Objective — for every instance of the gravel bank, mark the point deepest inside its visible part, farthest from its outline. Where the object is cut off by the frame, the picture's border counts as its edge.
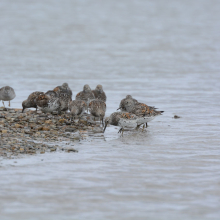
(31, 132)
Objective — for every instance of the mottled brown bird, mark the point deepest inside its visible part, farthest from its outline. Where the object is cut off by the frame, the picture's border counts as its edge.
(122, 103)
(121, 119)
(143, 111)
(30, 102)
(97, 108)
(77, 108)
(48, 104)
(85, 95)
(64, 93)
(63, 89)
(99, 93)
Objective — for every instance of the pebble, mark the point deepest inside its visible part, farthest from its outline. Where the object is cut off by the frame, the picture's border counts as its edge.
(70, 129)
(97, 130)
(70, 149)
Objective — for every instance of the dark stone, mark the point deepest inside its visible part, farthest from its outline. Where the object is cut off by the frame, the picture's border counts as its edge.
(70, 129)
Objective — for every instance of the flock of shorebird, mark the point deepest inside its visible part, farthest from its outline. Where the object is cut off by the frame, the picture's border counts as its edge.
(132, 113)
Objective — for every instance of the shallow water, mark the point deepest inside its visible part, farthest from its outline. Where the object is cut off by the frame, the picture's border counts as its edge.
(165, 54)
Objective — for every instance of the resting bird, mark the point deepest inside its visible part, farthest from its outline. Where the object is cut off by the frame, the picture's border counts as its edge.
(97, 108)
(52, 94)
(64, 89)
(64, 93)
(7, 94)
(122, 103)
(64, 101)
(77, 108)
(48, 104)
(86, 95)
(99, 93)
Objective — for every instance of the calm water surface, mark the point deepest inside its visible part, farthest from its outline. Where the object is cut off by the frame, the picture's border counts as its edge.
(165, 54)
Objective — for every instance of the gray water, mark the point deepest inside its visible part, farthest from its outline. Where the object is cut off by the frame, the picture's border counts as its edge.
(164, 53)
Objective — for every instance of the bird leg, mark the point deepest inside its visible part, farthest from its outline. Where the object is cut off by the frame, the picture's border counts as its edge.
(138, 126)
(101, 121)
(146, 124)
(120, 130)
(3, 103)
(9, 104)
(143, 127)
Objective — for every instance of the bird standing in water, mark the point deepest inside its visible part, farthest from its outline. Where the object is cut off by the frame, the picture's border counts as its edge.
(144, 112)
(121, 119)
(97, 108)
